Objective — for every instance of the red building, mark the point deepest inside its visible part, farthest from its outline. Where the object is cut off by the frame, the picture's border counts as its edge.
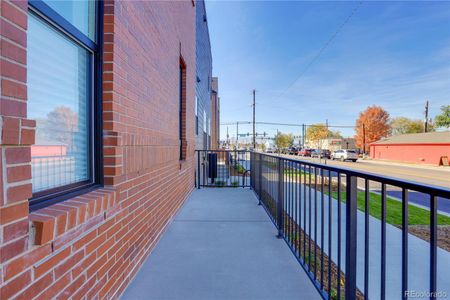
(115, 80)
(423, 148)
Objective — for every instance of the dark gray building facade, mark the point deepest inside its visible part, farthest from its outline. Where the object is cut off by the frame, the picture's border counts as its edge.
(204, 76)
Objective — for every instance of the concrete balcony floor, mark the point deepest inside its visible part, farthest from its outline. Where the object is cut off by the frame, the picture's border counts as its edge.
(221, 245)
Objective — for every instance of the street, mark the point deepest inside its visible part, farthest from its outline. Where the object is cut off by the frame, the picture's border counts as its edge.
(423, 174)
(428, 175)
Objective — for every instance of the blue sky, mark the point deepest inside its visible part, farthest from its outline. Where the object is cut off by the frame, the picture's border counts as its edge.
(392, 54)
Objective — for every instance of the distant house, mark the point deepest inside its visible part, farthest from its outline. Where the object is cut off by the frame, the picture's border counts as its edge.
(424, 148)
(333, 144)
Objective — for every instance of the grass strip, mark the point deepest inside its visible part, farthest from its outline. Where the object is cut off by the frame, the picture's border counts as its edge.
(416, 215)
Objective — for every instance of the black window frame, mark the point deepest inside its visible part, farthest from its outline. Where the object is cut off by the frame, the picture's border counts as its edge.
(54, 20)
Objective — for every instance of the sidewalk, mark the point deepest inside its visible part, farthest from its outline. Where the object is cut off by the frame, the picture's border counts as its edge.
(221, 245)
(405, 164)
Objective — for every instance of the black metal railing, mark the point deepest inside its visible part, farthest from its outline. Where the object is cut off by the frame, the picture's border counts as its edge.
(357, 235)
(222, 168)
(337, 222)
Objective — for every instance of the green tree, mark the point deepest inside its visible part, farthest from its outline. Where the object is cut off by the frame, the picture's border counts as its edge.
(316, 133)
(334, 134)
(443, 120)
(263, 147)
(283, 140)
(403, 125)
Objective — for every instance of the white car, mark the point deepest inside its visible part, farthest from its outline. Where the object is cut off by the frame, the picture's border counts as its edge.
(343, 155)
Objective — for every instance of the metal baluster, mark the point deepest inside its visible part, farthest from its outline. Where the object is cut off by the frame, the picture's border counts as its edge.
(366, 239)
(310, 221)
(322, 225)
(304, 214)
(404, 243)
(296, 228)
(383, 241)
(433, 245)
(351, 237)
(339, 238)
(315, 223)
(280, 198)
(330, 233)
(291, 203)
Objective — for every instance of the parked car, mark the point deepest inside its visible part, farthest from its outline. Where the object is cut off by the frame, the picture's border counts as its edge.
(285, 151)
(270, 150)
(293, 151)
(305, 152)
(345, 155)
(321, 153)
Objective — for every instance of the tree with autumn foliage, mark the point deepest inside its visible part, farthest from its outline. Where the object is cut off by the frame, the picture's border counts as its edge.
(283, 140)
(372, 125)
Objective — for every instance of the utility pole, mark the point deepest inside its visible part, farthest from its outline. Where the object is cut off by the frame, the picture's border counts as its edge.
(426, 117)
(304, 134)
(254, 106)
(228, 138)
(237, 135)
(275, 140)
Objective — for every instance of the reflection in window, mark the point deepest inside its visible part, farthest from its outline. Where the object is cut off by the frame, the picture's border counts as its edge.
(81, 13)
(59, 97)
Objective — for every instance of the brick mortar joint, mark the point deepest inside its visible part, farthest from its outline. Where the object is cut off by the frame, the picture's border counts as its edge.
(13, 62)
(5, 38)
(17, 7)
(16, 25)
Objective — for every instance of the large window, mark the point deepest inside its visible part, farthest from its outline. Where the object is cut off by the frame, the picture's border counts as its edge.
(80, 13)
(61, 60)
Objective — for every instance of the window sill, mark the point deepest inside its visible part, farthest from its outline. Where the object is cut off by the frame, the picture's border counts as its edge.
(64, 221)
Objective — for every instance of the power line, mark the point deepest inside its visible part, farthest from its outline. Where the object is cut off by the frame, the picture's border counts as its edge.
(324, 47)
(286, 124)
(233, 123)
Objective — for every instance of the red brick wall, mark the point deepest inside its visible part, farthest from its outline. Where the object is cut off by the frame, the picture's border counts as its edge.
(92, 245)
(430, 154)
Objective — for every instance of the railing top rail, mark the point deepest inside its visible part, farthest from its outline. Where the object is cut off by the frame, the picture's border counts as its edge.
(434, 190)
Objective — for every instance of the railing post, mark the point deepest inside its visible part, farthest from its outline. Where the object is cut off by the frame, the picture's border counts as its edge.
(280, 202)
(198, 170)
(252, 164)
(260, 178)
(350, 237)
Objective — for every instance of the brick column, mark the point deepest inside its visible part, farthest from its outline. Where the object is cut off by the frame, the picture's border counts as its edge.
(17, 134)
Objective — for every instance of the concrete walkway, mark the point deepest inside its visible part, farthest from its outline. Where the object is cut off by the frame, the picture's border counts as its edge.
(221, 245)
